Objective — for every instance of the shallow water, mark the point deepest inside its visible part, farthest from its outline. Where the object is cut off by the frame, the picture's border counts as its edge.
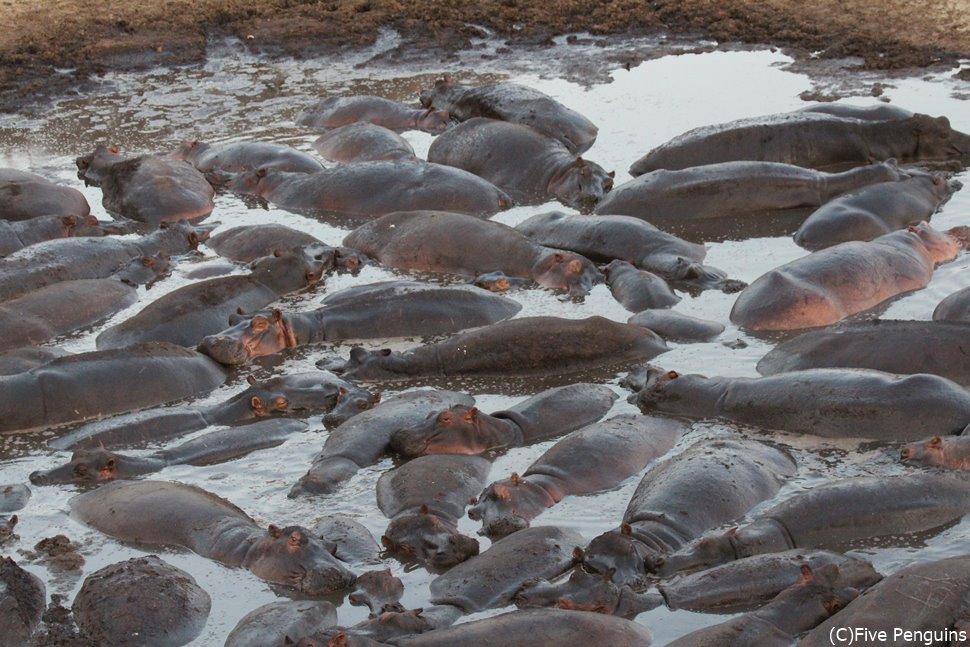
(238, 97)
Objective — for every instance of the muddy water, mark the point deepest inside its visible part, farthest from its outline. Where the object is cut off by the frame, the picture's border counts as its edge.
(236, 97)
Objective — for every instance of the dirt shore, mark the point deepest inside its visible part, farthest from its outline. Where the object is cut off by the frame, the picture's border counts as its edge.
(44, 36)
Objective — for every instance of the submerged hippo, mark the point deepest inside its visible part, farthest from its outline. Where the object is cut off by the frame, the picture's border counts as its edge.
(855, 403)
(638, 290)
(833, 283)
(547, 346)
(379, 591)
(424, 499)
(463, 429)
(334, 112)
(17, 235)
(955, 307)
(529, 166)
(26, 195)
(174, 514)
(812, 139)
(593, 459)
(674, 326)
(396, 309)
(236, 157)
(367, 190)
(515, 103)
(249, 242)
(426, 241)
(363, 142)
(951, 452)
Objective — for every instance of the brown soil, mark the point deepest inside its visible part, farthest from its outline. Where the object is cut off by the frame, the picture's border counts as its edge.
(46, 34)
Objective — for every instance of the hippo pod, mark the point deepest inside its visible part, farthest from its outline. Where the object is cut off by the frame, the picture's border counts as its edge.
(426, 241)
(334, 112)
(526, 164)
(363, 142)
(854, 403)
(24, 196)
(17, 235)
(174, 514)
(833, 283)
(237, 157)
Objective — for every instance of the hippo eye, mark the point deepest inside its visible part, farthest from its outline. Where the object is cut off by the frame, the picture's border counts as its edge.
(445, 417)
(281, 403)
(259, 324)
(296, 540)
(81, 470)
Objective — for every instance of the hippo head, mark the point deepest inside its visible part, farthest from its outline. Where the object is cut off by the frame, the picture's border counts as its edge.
(6, 528)
(347, 259)
(260, 335)
(433, 121)
(91, 168)
(561, 270)
(257, 182)
(581, 184)
(379, 591)
(939, 247)
(652, 383)
(583, 591)
(146, 270)
(189, 150)
(936, 140)
(444, 87)
(620, 554)
(705, 552)
(87, 466)
(351, 400)
(929, 451)
(816, 596)
(293, 557)
(496, 282)
(293, 269)
(506, 506)
(459, 429)
(426, 538)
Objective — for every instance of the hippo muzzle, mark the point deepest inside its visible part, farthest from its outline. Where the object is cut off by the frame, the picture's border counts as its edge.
(224, 349)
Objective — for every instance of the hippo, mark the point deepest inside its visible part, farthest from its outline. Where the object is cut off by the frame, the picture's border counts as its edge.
(187, 314)
(462, 429)
(425, 241)
(98, 383)
(530, 346)
(13, 497)
(817, 596)
(626, 238)
(379, 591)
(363, 439)
(276, 622)
(515, 103)
(385, 628)
(500, 282)
(854, 403)
(812, 139)
(334, 112)
(955, 307)
(21, 360)
(585, 591)
(529, 166)
(25, 195)
(925, 598)
(424, 498)
(708, 484)
(952, 452)
(363, 142)
(67, 259)
(880, 344)
(236, 157)
(397, 309)
(15, 235)
(876, 209)
(356, 193)
(93, 167)
(296, 394)
(638, 290)
(22, 596)
(7, 525)
(675, 326)
(873, 112)
(833, 515)
(352, 542)
(98, 465)
(723, 201)
(141, 601)
(161, 513)
(249, 242)
(833, 283)
(593, 459)
(491, 580)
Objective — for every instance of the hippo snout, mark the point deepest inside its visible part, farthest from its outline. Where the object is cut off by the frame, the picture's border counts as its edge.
(503, 527)
(327, 579)
(223, 349)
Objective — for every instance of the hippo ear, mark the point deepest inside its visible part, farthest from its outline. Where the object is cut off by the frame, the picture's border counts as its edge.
(806, 572)
(114, 149)
(935, 442)
(424, 509)
(274, 531)
(377, 397)
(387, 542)
(612, 174)
(626, 529)
(672, 375)
(12, 521)
(277, 314)
(580, 162)
(251, 380)
(471, 415)
(256, 404)
(516, 479)
(69, 221)
(578, 554)
(340, 640)
(473, 500)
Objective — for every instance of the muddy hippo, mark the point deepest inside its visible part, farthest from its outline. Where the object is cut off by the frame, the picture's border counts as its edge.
(812, 139)
(379, 591)
(26, 195)
(720, 201)
(955, 307)
(492, 579)
(98, 383)
(397, 309)
(548, 346)
(833, 283)
(708, 484)
(249, 242)
(834, 515)
(625, 238)
(426, 241)
(951, 452)
(515, 103)
(926, 598)
(593, 459)
(67, 259)
(877, 209)
(272, 624)
(22, 596)
(363, 439)
(296, 394)
(529, 166)
(187, 314)
(936, 347)
(236, 157)
(424, 499)
(97, 465)
(17, 235)
(638, 290)
(161, 513)
(334, 112)
(363, 142)
(355, 193)
(674, 326)
(854, 403)
(462, 429)
(141, 601)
